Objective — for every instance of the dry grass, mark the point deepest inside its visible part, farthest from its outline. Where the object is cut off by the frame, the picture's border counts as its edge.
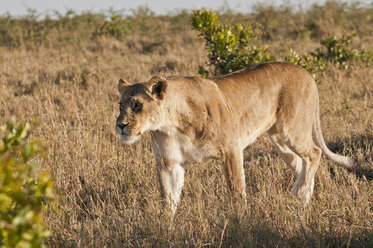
(109, 191)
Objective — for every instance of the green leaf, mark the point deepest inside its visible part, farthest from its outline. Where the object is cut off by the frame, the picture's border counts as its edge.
(25, 191)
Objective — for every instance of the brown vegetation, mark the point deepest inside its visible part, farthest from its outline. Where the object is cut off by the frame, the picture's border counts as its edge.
(109, 191)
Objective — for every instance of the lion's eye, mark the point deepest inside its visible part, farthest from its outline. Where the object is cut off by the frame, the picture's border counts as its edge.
(136, 107)
(121, 106)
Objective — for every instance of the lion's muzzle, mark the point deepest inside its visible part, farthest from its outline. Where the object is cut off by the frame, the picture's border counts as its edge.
(125, 134)
(122, 125)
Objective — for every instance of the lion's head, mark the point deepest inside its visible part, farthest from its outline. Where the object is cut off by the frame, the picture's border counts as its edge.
(140, 107)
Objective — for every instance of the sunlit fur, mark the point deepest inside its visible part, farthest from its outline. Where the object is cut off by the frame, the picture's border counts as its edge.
(195, 119)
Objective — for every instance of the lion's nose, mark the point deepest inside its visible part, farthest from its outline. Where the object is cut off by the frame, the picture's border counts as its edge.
(122, 125)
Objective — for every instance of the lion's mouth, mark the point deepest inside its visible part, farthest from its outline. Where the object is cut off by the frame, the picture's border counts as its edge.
(122, 129)
(124, 136)
(128, 139)
(125, 133)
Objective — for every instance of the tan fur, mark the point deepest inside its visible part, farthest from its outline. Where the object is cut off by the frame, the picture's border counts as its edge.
(194, 119)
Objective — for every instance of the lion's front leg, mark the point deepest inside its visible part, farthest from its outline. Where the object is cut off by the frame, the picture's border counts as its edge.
(171, 180)
(234, 173)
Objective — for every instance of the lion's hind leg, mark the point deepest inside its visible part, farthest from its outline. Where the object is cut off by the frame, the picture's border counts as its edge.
(290, 158)
(299, 152)
(304, 184)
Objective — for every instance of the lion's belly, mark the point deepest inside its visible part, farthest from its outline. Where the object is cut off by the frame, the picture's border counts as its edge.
(181, 149)
(194, 152)
(249, 133)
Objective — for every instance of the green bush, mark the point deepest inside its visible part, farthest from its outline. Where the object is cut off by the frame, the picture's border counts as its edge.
(25, 191)
(229, 48)
(334, 50)
(232, 48)
(311, 63)
(340, 52)
(116, 27)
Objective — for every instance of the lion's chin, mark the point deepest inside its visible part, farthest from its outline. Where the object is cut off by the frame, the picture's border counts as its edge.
(127, 139)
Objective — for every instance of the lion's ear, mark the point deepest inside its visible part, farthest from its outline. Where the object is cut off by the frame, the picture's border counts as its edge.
(122, 84)
(157, 86)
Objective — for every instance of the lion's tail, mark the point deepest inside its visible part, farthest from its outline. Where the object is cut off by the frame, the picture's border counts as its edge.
(318, 138)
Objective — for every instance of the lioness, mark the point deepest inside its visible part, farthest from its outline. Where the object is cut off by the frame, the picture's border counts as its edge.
(194, 119)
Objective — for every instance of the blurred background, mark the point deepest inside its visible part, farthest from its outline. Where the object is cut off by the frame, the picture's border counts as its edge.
(160, 7)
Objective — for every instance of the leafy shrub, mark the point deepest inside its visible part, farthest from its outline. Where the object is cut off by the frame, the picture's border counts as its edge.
(340, 52)
(334, 50)
(24, 190)
(311, 63)
(116, 27)
(229, 48)
(142, 21)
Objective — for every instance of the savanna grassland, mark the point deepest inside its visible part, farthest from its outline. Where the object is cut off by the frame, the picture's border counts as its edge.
(60, 74)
